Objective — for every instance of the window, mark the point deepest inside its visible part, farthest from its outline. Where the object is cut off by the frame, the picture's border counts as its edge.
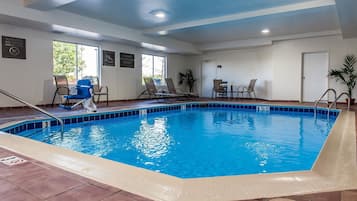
(75, 61)
(154, 67)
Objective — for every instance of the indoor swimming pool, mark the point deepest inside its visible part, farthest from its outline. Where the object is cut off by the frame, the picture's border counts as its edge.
(195, 140)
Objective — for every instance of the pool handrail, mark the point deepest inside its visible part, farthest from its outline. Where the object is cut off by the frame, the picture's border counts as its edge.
(8, 94)
(323, 95)
(335, 102)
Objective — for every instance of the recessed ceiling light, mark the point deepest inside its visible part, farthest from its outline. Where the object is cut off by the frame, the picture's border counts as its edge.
(153, 47)
(162, 32)
(159, 14)
(265, 31)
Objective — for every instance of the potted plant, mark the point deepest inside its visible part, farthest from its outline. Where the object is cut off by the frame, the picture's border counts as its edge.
(188, 79)
(346, 74)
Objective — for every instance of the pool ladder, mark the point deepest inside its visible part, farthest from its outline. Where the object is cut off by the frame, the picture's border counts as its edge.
(334, 103)
(33, 107)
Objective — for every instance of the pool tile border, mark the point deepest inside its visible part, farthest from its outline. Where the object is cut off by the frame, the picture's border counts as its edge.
(44, 123)
(336, 171)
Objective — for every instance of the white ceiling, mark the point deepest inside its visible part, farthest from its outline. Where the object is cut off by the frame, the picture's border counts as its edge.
(198, 22)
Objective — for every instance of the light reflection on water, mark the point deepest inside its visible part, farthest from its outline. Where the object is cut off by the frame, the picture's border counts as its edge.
(98, 136)
(201, 143)
(262, 151)
(92, 140)
(152, 140)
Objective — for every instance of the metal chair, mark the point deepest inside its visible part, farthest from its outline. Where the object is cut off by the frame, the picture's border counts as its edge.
(153, 92)
(62, 88)
(172, 89)
(98, 90)
(248, 90)
(150, 86)
(219, 88)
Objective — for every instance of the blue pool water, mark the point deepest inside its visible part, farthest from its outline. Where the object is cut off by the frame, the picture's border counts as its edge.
(200, 142)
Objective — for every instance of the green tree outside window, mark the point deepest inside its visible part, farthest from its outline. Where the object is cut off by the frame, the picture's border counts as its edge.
(65, 60)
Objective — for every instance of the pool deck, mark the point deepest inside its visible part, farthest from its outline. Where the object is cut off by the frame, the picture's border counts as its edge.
(37, 180)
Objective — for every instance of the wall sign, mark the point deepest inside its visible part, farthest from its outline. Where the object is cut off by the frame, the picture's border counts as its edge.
(13, 47)
(108, 58)
(127, 60)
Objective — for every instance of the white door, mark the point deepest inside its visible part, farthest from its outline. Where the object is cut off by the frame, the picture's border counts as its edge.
(315, 76)
(208, 75)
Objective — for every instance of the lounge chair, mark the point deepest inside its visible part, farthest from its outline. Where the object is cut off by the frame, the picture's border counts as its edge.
(98, 90)
(219, 88)
(172, 90)
(152, 90)
(248, 90)
(84, 95)
(62, 88)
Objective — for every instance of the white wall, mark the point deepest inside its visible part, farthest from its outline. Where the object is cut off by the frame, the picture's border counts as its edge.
(239, 66)
(27, 78)
(287, 63)
(31, 79)
(277, 67)
(178, 64)
(123, 83)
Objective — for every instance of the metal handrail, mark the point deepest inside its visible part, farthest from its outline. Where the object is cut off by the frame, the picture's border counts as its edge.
(335, 102)
(33, 107)
(323, 95)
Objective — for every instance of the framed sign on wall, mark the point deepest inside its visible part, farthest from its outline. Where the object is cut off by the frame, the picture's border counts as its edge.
(14, 48)
(108, 58)
(127, 60)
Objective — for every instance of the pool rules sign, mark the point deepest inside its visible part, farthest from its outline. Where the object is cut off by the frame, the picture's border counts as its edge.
(14, 48)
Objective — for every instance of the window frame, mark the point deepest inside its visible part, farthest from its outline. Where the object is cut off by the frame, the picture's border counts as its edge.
(99, 69)
(153, 65)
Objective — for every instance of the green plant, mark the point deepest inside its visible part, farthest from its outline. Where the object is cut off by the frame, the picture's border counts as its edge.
(65, 60)
(188, 79)
(346, 74)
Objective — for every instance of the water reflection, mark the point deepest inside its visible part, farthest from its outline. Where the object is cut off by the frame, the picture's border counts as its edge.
(99, 138)
(92, 140)
(202, 143)
(152, 140)
(233, 118)
(262, 151)
(70, 139)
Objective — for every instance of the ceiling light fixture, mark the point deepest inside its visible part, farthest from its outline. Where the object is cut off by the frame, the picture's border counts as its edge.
(159, 14)
(162, 33)
(153, 47)
(75, 32)
(265, 31)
